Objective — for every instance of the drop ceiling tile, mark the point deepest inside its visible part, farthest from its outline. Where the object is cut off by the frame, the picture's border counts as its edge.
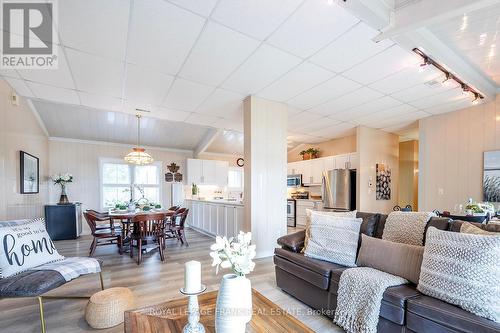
(257, 18)
(328, 90)
(312, 27)
(100, 101)
(382, 65)
(451, 95)
(298, 80)
(312, 126)
(202, 119)
(375, 105)
(19, 86)
(448, 107)
(368, 119)
(218, 52)
(297, 123)
(336, 131)
(350, 100)
(350, 49)
(107, 21)
(304, 138)
(169, 114)
(202, 7)
(54, 94)
(222, 103)
(9, 73)
(144, 86)
(161, 35)
(419, 91)
(187, 95)
(60, 77)
(236, 125)
(96, 74)
(260, 69)
(394, 121)
(404, 79)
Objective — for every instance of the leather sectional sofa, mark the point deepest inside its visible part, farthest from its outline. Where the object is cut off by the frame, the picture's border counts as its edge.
(403, 308)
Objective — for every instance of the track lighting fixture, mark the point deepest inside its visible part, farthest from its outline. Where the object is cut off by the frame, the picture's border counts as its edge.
(449, 77)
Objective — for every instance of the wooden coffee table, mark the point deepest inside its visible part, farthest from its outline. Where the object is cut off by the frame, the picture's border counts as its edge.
(170, 317)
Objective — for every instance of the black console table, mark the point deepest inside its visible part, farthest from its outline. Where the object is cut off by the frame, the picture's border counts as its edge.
(64, 221)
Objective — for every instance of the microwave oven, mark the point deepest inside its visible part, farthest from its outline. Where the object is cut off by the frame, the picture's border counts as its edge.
(294, 180)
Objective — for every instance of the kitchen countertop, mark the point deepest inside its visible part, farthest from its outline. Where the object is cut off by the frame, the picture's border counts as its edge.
(219, 201)
(313, 200)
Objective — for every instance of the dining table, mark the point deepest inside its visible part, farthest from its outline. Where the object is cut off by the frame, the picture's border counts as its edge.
(126, 218)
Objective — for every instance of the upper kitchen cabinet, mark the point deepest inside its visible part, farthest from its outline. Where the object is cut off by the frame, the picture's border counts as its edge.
(207, 172)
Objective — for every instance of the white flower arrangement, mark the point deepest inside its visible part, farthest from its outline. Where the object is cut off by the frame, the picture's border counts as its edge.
(236, 254)
(62, 178)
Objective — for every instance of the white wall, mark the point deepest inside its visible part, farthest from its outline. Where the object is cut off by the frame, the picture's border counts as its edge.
(376, 146)
(82, 160)
(20, 130)
(451, 154)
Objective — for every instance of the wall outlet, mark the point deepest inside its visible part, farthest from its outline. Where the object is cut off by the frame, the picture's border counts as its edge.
(440, 191)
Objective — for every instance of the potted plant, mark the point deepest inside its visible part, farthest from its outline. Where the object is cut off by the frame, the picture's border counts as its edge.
(309, 153)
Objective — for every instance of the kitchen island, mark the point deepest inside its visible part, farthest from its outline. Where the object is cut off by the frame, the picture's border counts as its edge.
(215, 217)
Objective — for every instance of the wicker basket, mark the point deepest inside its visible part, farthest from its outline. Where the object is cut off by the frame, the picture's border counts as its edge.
(105, 308)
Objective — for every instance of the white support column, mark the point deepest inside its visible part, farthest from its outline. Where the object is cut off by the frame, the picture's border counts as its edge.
(265, 126)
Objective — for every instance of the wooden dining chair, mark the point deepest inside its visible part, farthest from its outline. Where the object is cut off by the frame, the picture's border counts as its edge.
(103, 217)
(102, 236)
(176, 227)
(148, 227)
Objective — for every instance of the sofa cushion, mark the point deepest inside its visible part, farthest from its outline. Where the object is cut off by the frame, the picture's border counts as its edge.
(369, 224)
(293, 242)
(314, 271)
(30, 283)
(333, 239)
(441, 223)
(469, 228)
(447, 315)
(462, 269)
(456, 225)
(394, 258)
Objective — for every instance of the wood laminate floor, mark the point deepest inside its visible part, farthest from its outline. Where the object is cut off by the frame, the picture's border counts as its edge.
(152, 282)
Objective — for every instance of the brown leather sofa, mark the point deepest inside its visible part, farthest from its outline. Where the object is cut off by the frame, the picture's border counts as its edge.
(403, 308)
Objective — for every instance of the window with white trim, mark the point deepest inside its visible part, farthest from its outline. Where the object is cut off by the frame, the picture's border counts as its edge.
(120, 181)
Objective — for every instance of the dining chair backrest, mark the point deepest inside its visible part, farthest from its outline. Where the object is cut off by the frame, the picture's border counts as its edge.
(91, 219)
(149, 224)
(98, 214)
(174, 208)
(180, 218)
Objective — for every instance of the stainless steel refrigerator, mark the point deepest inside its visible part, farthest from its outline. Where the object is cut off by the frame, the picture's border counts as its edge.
(339, 189)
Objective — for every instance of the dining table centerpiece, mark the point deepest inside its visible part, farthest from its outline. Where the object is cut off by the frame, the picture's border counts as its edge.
(62, 179)
(234, 300)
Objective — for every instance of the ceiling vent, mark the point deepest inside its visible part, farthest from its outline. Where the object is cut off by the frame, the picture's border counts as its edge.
(432, 83)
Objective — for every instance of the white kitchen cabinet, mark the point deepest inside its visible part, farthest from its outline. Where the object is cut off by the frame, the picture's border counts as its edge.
(329, 163)
(221, 220)
(353, 161)
(214, 219)
(221, 173)
(206, 217)
(230, 219)
(194, 171)
(341, 161)
(317, 168)
(189, 218)
(207, 172)
(239, 216)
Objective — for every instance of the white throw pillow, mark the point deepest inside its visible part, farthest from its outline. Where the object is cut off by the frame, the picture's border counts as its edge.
(322, 212)
(463, 269)
(25, 246)
(333, 238)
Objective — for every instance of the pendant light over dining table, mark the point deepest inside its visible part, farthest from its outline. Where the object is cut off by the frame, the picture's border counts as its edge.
(138, 155)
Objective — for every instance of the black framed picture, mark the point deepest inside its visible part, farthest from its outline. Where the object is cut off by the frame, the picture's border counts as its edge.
(30, 173)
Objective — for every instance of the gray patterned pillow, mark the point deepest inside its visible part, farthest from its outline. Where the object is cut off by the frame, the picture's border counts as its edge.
(463, 269)
(333, 238)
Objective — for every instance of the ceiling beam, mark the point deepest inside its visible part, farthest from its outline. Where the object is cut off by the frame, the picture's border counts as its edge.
(206, 141)
(425, 13)
(425, 40)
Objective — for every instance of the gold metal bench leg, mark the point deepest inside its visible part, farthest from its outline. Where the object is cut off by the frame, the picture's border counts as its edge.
(42, 320)
(102, 281)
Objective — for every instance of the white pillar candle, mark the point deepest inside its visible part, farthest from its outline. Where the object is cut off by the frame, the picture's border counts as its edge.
(192, 276)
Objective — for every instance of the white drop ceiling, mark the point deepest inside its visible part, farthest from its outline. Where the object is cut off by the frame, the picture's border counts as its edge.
(191, 63)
